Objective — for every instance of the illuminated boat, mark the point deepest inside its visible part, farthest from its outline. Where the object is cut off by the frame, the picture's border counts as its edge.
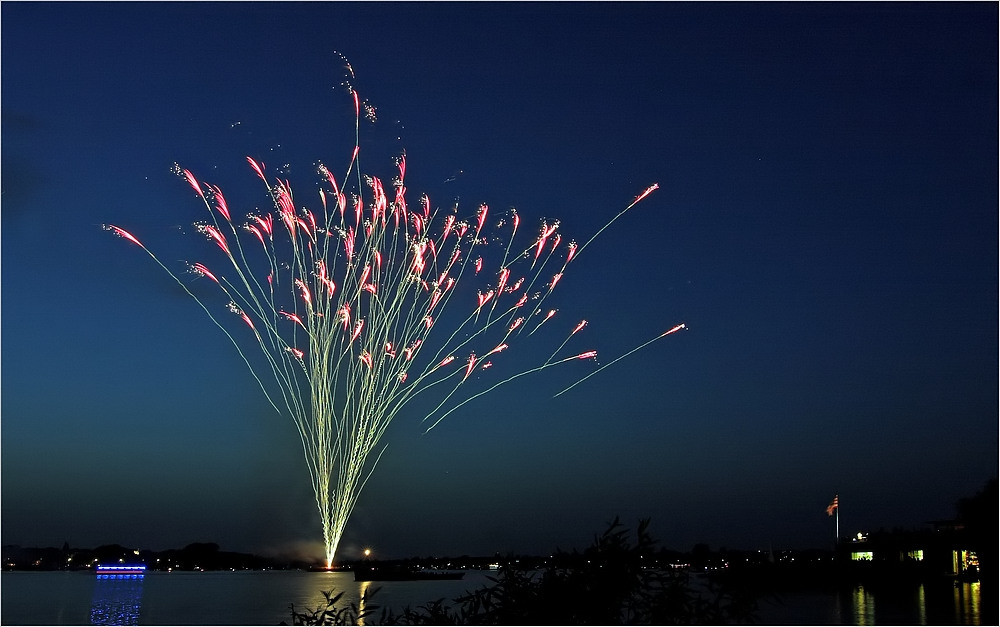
(395, 573)
(121, 571)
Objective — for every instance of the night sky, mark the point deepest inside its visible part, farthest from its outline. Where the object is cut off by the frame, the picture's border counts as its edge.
(826, 226)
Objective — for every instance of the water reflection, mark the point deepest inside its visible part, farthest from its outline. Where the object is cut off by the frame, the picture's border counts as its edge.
(933, 603)
(864, 607)
(363, 602)
(967, 597)
(926, 604)
(116, 601)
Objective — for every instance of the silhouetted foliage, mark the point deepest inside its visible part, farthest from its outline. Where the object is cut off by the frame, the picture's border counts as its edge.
(609, 583)
(329, 614)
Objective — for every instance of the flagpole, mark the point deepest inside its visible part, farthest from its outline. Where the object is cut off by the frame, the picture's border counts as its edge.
(834, 510)
(836, 538)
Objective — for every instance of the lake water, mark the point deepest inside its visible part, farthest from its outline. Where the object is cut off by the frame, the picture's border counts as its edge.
(263, 597)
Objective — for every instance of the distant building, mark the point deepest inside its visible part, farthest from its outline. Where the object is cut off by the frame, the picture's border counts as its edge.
(943, 549)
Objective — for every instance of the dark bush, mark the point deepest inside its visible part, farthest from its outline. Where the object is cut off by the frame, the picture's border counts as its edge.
(611, 583)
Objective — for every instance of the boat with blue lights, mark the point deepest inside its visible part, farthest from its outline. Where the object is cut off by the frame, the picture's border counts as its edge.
(121, 571)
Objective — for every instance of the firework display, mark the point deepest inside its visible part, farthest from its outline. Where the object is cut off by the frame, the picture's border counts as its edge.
(346, 312)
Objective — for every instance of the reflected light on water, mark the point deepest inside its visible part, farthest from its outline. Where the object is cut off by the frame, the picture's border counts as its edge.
(922, 605)
(393, 596)
(926, 604)
(864, 607)
(116, 601)
(967, 598)
(362, 603)
(309, 593)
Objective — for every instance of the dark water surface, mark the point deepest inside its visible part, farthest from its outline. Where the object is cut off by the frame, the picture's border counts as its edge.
(263, 597)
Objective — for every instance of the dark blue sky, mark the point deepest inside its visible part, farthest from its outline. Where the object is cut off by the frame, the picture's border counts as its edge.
(826, 226)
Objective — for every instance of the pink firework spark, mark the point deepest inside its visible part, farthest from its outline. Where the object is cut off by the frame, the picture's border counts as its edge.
(329, 177)
(349, 243)
(649, 190)
(266, 224)
(305, 292)
(123, 233)
(435, 297)
(499, 349)
(485, 298)
(312, 221)
(220, 202)
(504, 275)
(546, 232)
(448, 223)
(483, 210)
(302, 223)
(572, 251)
(357, 329)
(323, 278)
(341, 203)
(425, 202)
(193, 182)
(218, 237)
(247, 320)
(409, 350)
(286, 208)
(256, 232)
(399, 206)
(293, 318)
(555, 279)
(381, 202)
(203, 271)
(257, 167)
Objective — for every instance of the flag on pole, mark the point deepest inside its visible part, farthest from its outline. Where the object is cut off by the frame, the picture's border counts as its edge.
(832, 506)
